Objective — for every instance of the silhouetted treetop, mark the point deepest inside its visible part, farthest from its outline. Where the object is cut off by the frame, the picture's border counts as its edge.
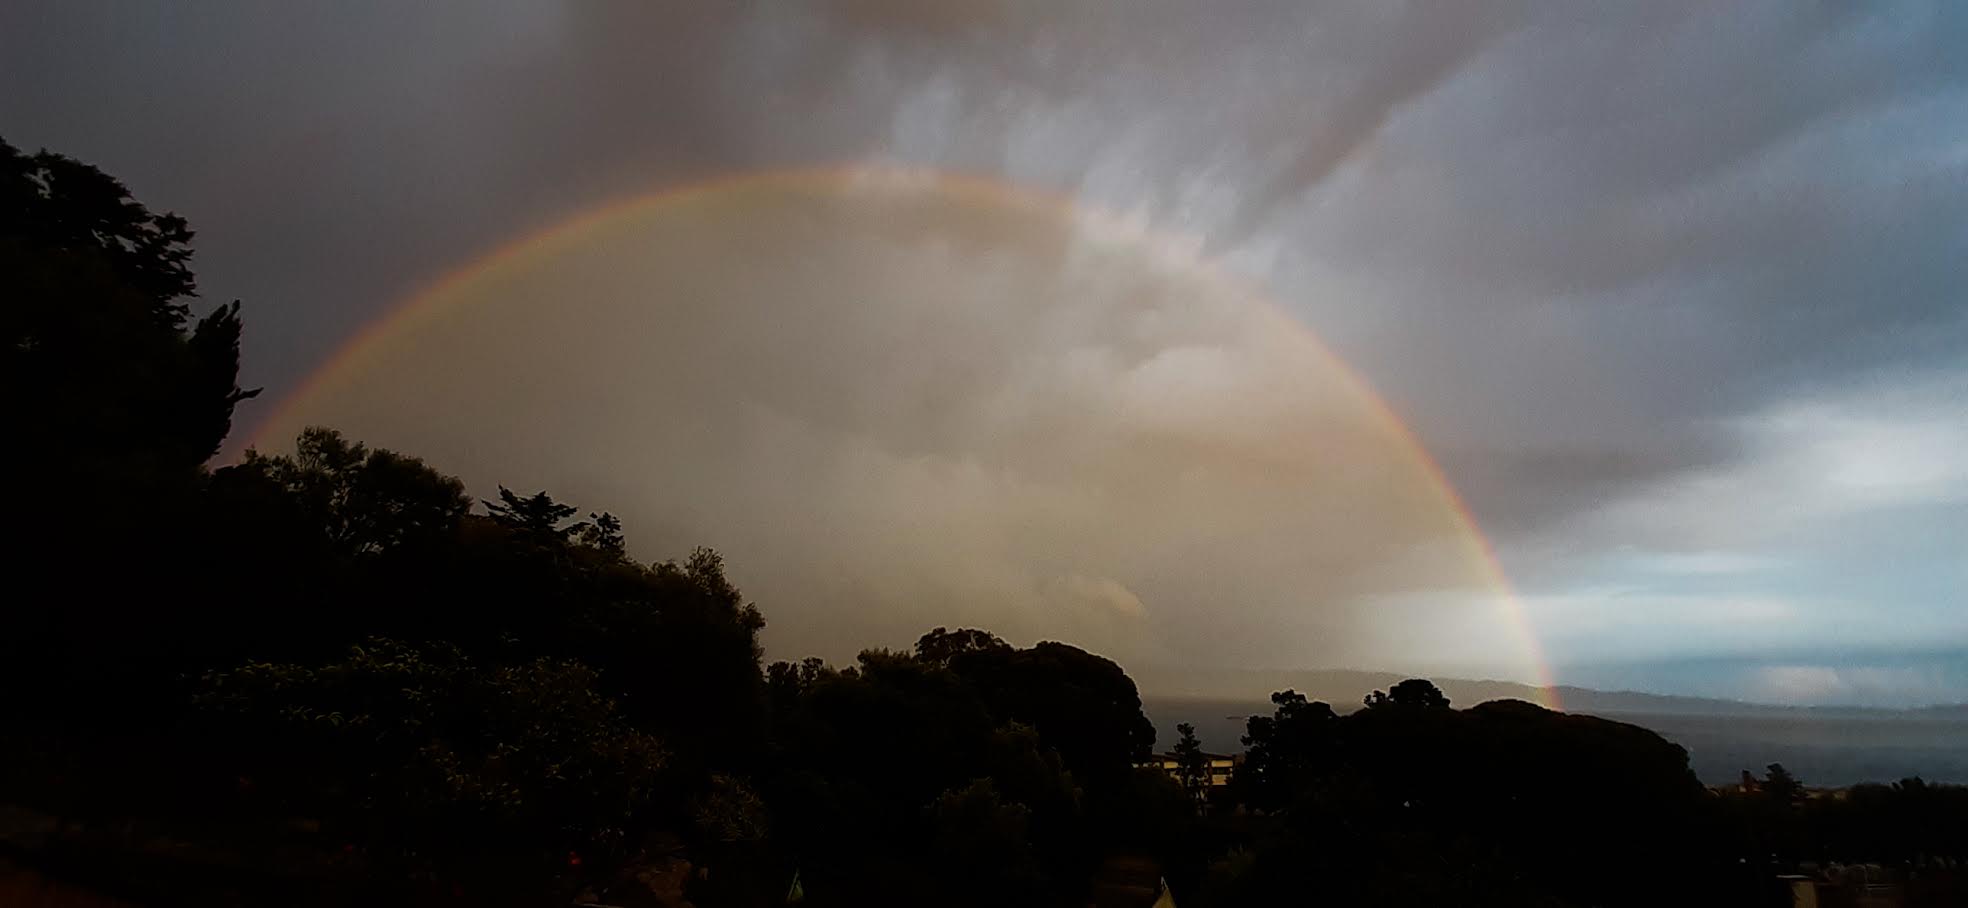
(1413, 693)
(941, 646)
(603, 532)
(1780, 787)
(361, 500)
(1282, 748)
(538, 514)
(98, 372)
(1191, 764)
(1084, 704)
(53, 202)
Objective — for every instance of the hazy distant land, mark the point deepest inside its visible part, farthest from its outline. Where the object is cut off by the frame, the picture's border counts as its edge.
(1822, 745)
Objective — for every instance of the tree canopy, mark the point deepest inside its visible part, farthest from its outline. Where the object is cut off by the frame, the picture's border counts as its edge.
(104, 383)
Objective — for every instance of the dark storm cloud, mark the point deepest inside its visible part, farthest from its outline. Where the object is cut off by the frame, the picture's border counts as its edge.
(1594, 253)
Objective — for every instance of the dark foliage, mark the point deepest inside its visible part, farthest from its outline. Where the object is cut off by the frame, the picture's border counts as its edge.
(906, 773)
(320, 677)
(1083, 703)
(103, 380)
(1410, 802)
(114, 398)
(1191, 764)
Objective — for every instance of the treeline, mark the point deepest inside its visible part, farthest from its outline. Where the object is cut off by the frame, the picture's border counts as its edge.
(328, 676)
(1908, 825)
(1408, 801)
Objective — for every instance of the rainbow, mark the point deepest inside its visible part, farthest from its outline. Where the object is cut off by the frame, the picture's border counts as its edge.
(449, 292)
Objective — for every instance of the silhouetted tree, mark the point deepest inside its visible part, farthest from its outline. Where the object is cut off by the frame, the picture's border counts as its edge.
(1411, 802)
(101, 377)
(114, 398)
(1285, 748)
(964, 709)
(537, 514)
(1413, 693)
(603, 532)
(1082, 704)
(1780, 787)
(1191, 764)
(942, 646)
(362, 501)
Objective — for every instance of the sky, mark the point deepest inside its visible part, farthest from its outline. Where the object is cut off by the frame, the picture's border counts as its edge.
(1675, 293)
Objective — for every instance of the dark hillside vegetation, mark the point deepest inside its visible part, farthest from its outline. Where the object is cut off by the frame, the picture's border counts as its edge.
(329, 676)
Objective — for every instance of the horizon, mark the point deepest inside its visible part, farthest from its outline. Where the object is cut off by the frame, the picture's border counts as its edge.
(1362, 682)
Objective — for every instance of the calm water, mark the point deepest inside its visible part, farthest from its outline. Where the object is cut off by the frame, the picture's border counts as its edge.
(1822, 749)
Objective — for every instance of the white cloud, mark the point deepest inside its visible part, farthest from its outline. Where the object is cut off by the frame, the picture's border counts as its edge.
(1623, 623)
(1696, 564)
(1894, 441)
(1855, 685)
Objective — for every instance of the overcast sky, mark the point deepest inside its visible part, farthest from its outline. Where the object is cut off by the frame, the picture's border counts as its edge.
(1676, 293)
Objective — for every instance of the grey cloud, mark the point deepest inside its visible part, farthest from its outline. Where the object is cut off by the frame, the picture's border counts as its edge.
(1575, 245)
